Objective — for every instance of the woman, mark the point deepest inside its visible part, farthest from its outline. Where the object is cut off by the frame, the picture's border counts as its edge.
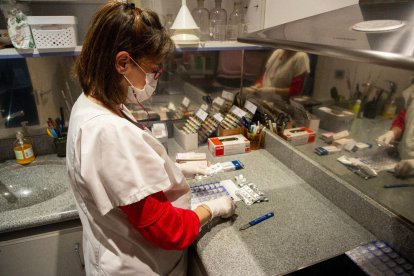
(285, 74)
(133, 201)
(402, 132)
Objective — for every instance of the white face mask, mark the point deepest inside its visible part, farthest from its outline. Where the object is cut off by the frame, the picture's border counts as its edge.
(140, 95)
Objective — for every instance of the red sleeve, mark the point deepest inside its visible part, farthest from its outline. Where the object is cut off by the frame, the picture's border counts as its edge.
(296, 85)
(259, 82)
(399, 121)
(161, 223)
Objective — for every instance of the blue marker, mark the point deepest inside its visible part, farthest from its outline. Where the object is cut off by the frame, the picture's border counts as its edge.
(256, 221)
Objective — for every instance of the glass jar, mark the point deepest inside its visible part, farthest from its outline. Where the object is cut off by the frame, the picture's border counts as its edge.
(236, 21)
(218, 22)
(201, 17)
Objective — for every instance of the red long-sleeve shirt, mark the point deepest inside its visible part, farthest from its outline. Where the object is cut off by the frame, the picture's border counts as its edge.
(399, 121)
(159, 222)
(295, 86)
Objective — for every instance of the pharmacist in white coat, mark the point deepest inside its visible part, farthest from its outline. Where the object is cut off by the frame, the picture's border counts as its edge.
(133, 201)
(402, 131)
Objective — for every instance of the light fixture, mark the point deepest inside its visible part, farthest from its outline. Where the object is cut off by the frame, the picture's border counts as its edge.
(184, 27)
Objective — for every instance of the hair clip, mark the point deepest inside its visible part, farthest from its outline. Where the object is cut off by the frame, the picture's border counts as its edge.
(130, 6)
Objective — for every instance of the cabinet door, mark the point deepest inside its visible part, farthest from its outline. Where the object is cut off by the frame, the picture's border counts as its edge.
(53, 253)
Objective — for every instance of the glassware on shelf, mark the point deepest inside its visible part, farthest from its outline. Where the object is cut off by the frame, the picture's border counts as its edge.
(218, 22)
(201, 17)
(169, 20)
(236, 24)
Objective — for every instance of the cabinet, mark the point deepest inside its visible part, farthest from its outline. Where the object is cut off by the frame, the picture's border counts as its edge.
(57, 252)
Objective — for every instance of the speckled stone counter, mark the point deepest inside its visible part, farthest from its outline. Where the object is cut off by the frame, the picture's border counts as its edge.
(335, 184)
(45, 182)
(307, 227)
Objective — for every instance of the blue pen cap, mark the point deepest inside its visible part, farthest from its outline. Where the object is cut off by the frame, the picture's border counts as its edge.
(237, 164)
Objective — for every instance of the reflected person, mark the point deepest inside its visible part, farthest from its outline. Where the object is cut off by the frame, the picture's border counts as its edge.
(285, 74)
(402, 131)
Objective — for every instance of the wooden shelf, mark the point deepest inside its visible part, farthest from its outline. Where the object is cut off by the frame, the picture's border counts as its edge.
(9, 53)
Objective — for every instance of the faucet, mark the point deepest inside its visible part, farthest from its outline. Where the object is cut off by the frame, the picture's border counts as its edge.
(11, 116)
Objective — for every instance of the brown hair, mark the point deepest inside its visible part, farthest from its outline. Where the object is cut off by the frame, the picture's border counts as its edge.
(118, 27)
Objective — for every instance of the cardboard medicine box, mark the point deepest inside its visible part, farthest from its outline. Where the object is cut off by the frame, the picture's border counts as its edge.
(299, 136)
(186, 141)
(228, 145)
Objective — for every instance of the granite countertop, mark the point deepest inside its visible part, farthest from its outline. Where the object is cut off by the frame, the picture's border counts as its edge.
(307, 227)
(36, 194)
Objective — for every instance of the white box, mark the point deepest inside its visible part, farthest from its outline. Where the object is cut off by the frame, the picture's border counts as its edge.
(51, 32)
(334, 119)
(186, 141)
(299, 135)
(228, 145)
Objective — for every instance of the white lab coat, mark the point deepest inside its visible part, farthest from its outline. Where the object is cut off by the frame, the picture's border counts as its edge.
(110, 163)
(280, 71)
(406, 147)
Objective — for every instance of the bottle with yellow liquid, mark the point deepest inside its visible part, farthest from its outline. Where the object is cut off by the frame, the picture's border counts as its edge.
(23, 149)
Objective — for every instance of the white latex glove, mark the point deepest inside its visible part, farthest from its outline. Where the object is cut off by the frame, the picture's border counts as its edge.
(386, 138)
(404, 168)
(190, 169)
(222, 207)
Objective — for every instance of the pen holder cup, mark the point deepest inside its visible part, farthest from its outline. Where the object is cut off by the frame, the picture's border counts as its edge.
(255, 139)
(60, 144)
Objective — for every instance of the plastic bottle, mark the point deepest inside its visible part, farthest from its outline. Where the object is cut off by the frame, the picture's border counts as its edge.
(356, 107)
(201, 17)
(218, 22)
(390, 110)
(235, 27)
(23, 149)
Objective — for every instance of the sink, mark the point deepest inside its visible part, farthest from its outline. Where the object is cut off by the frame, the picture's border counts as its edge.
(24, 186)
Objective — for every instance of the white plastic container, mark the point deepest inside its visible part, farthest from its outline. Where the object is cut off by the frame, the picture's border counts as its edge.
(51, 32)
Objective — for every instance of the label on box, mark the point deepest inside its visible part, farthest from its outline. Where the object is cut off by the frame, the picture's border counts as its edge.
(201, 114)
(227, 95)
(238, 112)
(185, 102)
(250, 107)
(219, 101)
(204, 107)
(218, 117)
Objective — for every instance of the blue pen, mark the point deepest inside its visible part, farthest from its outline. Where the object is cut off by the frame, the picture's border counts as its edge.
(256, 221)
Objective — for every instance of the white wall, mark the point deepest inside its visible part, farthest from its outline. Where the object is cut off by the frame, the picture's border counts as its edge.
(357, 73)
(281, 11)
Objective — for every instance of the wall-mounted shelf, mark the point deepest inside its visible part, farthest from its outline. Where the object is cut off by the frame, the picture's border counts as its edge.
(9, 53)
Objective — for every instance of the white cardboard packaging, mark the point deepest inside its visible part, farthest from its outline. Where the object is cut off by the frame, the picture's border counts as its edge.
(299, 136)
(228, 145)
(186, 141)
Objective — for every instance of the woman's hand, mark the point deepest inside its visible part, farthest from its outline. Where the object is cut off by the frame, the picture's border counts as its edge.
(404, 168)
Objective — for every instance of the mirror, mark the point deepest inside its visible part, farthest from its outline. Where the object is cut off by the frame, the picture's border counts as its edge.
(40, 87)
(363, 99)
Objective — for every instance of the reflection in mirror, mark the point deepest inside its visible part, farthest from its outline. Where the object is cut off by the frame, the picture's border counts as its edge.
(374, 105)
(17, 103)
(33, 90)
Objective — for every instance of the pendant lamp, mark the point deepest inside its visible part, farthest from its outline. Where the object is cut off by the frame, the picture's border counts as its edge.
(184, 27)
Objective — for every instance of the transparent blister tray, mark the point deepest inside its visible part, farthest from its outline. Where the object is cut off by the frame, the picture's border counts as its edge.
(250, 194)
(205, 192)
(378, 258)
